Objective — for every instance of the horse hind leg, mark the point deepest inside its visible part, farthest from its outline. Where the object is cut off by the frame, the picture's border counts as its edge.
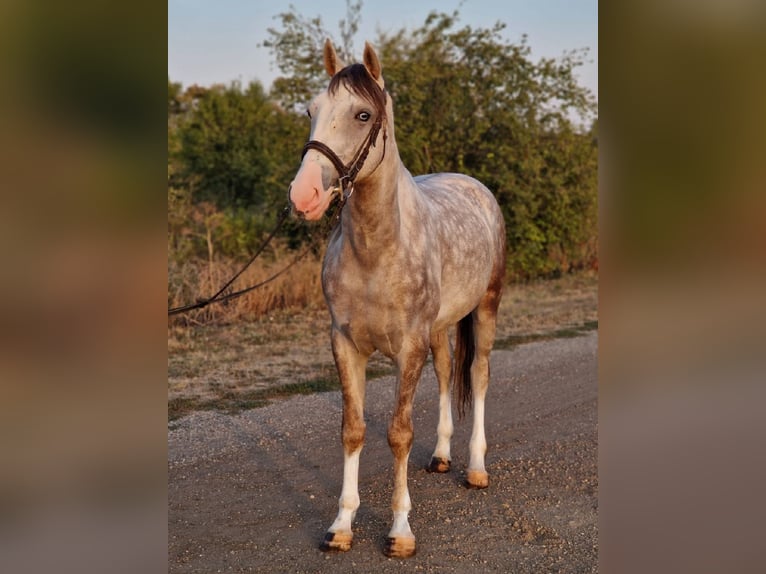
(484, 323)
(441, 459)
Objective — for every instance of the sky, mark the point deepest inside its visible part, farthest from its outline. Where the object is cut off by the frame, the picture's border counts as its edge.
(216, 41)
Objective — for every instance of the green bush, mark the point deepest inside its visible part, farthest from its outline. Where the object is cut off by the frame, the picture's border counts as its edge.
(465, 100)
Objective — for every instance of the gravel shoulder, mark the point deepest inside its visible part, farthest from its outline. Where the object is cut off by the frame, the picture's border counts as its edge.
(255, 491)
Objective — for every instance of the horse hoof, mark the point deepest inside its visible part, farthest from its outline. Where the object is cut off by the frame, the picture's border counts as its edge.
(477, 479)
(438, 465)
(399, 547)
(336, 541)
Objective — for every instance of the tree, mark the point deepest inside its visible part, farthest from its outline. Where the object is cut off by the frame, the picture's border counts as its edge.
(295, 49)
(239, 147)
(466, 100)
(234, 151)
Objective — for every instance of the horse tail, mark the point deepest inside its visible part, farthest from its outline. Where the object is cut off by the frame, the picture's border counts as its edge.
(465, 349)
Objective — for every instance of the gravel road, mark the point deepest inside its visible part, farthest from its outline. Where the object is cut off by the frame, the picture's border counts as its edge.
(255, 492)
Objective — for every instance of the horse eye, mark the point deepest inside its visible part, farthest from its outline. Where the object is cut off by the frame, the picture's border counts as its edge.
(363, 116)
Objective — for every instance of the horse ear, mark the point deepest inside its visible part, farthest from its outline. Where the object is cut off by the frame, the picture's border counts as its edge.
(332, 63)
(372, 63)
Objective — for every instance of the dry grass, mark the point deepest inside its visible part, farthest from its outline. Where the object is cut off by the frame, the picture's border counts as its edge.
(297, 288)
(542, 309)
(246, 356)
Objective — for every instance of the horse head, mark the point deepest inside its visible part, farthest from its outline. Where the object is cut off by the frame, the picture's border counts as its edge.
(345, 139)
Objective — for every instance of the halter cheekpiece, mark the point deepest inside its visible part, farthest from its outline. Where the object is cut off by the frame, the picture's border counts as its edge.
(347, 173)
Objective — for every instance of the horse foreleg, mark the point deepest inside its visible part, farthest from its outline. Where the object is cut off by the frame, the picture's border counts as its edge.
(440, 461)
(351, 366)
(401, 540)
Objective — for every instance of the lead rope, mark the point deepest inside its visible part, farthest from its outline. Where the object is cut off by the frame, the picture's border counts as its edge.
(218, 297)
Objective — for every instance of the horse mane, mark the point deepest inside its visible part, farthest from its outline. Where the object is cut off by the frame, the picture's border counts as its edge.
(358, 80)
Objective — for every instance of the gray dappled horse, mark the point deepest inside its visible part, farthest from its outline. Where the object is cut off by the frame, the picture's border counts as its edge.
(409, 258)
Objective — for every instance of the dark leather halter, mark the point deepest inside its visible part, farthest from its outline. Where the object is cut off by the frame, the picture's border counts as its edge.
(347, 173)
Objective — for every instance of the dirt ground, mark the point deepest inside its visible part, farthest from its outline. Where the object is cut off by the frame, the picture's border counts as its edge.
(255, 491)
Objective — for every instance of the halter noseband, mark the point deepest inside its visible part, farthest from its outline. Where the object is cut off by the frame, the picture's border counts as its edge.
(347, 173)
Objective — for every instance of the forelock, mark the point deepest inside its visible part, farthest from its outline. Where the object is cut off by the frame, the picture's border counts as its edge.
(358, 80)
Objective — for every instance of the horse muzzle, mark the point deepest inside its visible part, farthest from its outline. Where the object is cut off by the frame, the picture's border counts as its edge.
(307, 193)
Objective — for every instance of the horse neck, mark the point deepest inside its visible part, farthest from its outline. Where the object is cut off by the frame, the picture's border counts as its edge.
(371, 219)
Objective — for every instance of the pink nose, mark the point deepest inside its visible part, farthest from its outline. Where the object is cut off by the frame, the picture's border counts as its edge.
(307, 192)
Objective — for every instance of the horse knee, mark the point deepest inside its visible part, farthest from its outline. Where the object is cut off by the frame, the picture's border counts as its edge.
(400, 434)
(353, 435)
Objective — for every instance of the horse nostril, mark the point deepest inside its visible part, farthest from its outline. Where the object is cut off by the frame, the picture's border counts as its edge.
(291, 201)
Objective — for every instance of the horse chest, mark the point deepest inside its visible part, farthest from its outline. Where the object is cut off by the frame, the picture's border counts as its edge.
(377, 307)
(371, 320)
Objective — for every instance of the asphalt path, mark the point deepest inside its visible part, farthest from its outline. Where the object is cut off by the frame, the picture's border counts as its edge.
(255, 492)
